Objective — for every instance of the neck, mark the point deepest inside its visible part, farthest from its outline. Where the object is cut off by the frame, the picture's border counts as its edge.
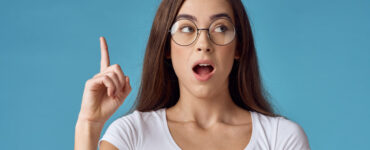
(205, 111)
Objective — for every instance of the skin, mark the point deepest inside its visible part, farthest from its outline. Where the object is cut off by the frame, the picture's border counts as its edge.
(103, 95)
(205, 116)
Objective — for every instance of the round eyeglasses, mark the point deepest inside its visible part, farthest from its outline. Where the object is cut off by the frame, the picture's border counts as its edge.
(184, 32)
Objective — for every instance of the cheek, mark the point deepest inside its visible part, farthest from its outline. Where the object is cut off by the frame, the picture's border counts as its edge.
(179, 59)
(227, 56)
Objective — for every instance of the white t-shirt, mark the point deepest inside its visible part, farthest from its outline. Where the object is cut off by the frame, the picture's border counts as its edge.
(149, 131)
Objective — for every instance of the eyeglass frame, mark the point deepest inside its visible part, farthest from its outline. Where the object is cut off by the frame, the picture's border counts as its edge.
(207, 29)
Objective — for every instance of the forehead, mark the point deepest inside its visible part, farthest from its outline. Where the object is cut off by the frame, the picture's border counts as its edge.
(203, 11)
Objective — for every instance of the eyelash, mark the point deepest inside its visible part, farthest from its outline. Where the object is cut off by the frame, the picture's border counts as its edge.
(222, 26)
(191, 28)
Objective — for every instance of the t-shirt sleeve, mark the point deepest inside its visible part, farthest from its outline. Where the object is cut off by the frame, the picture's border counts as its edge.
(291, 136)
(122, 133)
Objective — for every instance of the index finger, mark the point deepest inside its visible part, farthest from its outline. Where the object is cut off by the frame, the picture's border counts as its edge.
(104, 62)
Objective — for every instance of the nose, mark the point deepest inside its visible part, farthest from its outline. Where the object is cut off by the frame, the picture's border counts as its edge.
(203, 42)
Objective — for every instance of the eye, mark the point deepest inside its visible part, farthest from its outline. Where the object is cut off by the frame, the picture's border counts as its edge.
(187, 29)
(221, 28)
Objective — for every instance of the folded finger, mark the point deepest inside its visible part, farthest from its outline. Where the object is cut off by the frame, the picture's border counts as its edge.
(113, 76)
(106, 81)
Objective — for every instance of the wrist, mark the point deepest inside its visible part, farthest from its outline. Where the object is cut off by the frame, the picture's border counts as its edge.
(87, 119)
(87, 134)
(89, 124)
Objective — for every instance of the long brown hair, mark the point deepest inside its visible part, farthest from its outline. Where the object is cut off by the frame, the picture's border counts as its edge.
(159, 84)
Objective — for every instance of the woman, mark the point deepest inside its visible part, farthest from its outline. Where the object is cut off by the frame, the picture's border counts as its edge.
(200, 88)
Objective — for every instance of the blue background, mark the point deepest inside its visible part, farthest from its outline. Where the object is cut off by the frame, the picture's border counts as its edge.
(314, 58)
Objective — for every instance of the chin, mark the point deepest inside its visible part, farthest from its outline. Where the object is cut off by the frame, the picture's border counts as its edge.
(203, 92)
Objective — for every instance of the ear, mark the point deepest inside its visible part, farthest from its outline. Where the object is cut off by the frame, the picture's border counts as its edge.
(168, 54)
(237, 54)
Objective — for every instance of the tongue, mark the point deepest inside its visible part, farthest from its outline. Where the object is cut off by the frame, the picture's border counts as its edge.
(202, 70)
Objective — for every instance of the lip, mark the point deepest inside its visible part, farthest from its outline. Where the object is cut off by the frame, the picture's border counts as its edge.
(204, 77)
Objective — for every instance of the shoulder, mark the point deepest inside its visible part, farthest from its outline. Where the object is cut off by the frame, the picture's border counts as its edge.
(289, 126)
(127, 131)
(291, 135)
(281, 133)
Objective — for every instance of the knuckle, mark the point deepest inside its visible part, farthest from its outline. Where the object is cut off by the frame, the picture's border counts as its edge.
(96, 75)
(88, 82)
(115, 66)
(105, 77)
(113, 75)
(109, 74)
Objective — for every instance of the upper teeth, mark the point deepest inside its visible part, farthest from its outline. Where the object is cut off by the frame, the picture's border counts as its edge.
(204, 64)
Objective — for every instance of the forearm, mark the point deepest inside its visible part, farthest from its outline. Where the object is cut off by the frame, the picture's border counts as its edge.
(87, 135)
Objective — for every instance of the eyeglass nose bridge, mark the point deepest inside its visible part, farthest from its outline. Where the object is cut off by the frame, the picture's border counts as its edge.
(198, 34)
(207, 29)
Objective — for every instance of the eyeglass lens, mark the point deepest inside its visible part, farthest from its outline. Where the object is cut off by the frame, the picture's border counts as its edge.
(185, 32)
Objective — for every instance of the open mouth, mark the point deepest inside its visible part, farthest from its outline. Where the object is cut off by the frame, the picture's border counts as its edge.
(203, 69)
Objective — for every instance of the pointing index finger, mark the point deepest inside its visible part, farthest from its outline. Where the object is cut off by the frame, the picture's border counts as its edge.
(104, 62)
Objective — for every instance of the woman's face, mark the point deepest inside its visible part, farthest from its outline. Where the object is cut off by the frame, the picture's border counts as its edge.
(201, 80)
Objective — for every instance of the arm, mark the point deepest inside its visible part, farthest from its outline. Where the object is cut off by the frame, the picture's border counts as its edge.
(104, 145)
(103, 95)
(87, 135)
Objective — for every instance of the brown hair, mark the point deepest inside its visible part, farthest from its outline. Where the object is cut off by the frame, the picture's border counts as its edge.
(159, 84)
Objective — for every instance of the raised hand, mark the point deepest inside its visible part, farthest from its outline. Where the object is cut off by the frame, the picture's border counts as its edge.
(105, 92)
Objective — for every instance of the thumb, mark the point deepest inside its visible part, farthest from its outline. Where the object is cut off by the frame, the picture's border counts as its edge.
(127, 89)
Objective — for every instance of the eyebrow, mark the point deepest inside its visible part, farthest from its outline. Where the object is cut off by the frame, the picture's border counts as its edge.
(193, 18)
